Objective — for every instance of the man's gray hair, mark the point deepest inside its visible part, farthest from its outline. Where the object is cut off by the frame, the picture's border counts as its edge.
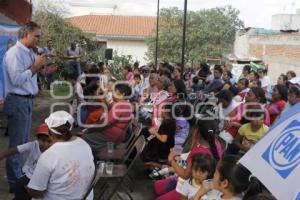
(29, 27)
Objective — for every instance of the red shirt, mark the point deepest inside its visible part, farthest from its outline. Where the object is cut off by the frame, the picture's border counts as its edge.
(129, 77)
(94, 116)
(118, 118)
(204, 150)
(275, 108)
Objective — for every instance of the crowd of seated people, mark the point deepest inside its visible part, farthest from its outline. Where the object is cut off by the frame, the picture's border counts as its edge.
(183, 150)
(247, 107)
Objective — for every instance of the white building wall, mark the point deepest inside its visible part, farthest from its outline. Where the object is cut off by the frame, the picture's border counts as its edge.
(241, 45)
(286, 22)
(279, 66)
(135, 48)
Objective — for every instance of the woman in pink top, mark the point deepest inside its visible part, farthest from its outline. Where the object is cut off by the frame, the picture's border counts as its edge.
(204, 142)
(158, 100)
(113, 125)
(128, 74)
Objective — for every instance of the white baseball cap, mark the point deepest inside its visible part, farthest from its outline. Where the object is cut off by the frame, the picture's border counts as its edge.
(295, 81)
(57, 119)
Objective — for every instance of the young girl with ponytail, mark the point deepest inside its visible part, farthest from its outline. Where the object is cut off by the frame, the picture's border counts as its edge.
(233, 181)
(204, 142)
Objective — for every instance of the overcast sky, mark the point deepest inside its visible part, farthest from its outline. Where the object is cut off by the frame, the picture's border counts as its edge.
(255, 13)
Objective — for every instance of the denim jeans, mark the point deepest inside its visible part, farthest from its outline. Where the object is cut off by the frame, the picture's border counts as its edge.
(19, 115)
(75, 67)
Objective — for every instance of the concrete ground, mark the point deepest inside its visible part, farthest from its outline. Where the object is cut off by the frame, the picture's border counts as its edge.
(142, 189)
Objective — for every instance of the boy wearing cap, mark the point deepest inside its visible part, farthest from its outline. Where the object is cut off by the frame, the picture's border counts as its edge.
(67, 168)
(294, 81)
(32, 152)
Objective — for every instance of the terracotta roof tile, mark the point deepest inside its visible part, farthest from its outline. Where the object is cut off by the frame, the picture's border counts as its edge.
(112, 25)
(17, 10)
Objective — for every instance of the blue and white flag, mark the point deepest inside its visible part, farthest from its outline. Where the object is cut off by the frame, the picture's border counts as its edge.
(275, 159)
(8, 34)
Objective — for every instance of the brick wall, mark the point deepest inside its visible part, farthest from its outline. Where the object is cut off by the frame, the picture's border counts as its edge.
(288, 51)
(256, 50)
(280, 51)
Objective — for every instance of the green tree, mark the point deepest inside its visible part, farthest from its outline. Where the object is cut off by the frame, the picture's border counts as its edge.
(57, 28)
(210, 33)
(51, 17)
(118, 63)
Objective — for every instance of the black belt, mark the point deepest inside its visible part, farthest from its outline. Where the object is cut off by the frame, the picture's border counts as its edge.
(31, 96)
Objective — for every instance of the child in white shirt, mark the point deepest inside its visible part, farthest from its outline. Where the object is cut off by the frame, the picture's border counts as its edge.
(203, 167)
(78, 90)
(31, 152)
(232, 181)
(109, 91)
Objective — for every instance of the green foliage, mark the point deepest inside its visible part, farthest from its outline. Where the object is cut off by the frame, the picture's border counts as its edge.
(50, 17)
(210, 33)
(118, 63)
(55, 27)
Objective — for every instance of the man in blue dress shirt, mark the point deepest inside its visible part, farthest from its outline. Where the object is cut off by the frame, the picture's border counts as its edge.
(20, 66)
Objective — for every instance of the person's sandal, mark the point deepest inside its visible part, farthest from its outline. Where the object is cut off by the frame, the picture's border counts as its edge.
(159, 174)
(155, 175)
(150, 170)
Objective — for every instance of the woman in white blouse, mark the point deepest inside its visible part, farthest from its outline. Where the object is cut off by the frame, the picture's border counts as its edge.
(66, 169)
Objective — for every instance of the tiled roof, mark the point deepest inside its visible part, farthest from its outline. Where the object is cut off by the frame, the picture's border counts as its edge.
(116, 26)
(19, 11)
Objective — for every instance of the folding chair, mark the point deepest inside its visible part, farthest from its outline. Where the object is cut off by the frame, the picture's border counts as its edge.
(136, 132)
(119, 153)
(121, 171)
(127, 131)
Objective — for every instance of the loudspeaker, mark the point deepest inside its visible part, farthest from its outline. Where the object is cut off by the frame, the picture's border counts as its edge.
(108, 54)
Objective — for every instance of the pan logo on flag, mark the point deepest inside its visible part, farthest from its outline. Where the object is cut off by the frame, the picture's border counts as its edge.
(283, 154)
